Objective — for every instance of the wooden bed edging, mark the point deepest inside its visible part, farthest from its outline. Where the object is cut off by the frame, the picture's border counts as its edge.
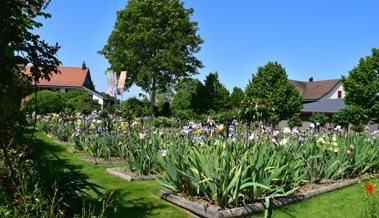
(130, 178)
(91, 160)
(205, 210)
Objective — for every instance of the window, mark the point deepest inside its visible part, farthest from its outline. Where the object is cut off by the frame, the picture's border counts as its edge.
(339, 94)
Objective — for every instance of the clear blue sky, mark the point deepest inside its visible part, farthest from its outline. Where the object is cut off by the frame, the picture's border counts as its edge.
(319, 38)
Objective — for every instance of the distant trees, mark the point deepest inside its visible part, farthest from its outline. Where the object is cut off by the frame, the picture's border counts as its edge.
(76, 100)
(155, 41)
(270, 87)
(362, 86)
(192, 96)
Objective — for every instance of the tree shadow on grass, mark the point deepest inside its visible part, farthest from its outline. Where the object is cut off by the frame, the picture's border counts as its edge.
(70, 179)
(136, 207)
(58, 175)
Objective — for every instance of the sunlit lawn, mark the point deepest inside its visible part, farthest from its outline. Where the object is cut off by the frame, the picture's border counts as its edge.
(140, 199)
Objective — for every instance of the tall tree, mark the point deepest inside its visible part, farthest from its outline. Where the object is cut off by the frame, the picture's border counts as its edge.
(19, 46)
(216, 95)
(155, 41)
(270, 86)
(362, 85)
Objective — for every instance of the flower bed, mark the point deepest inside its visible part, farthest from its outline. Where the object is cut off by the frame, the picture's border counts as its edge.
(231, 165)
(209, 210)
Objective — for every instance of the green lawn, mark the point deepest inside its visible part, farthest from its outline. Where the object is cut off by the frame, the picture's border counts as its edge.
(140, 199)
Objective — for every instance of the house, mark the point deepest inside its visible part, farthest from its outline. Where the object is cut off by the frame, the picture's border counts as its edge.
(324, 96)
(313, 91)
(71, 78)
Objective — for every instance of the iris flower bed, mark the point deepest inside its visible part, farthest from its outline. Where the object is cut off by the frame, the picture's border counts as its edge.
(228, 166)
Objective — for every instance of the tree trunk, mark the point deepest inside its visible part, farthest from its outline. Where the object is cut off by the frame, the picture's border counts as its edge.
(152, 96)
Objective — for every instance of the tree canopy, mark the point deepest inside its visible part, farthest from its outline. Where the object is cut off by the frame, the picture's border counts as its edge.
(19, 46)
(362, 85)
(155, 42)
(236, 97)
(270, 87)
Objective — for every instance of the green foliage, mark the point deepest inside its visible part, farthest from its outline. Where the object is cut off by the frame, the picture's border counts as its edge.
(155, 42)
(271, 86)
(79, 100)
(350, 115)
(164, 122)
(236, 97)
(251, 111)
(362, 85)
(223, 172)
(133, 107)
(294, 120)
(20, 46)
(48, 102)
(319, 119)
(224, 117)
(182, 100)
(215, 94)
(184, 114)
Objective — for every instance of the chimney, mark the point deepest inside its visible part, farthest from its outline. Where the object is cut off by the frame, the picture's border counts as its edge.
(84, 66)
(311, 79)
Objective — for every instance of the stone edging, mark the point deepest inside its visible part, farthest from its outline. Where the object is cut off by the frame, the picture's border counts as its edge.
(93, 161)
(114, 171)
(205, 210)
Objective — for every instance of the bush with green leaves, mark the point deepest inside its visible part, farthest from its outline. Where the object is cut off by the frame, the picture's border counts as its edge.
(319, 119)
(294, 121)
(164, 122)
(81, 101)
(133, 107)
(44, 102)
(350, 115)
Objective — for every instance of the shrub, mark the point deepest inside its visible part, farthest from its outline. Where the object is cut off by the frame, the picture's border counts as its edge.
(47, 102)
(319, 118)
(79, 100)
(294, 121)
(133, 107)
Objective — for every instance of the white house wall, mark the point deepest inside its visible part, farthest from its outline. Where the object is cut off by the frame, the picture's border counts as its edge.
(333, 94)
(100, 100)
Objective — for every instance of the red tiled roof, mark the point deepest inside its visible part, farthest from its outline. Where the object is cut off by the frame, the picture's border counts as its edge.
(69, 77)
(314, 90)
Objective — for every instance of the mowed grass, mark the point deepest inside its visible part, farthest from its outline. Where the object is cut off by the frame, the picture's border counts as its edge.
(132, 199)
(141, 199)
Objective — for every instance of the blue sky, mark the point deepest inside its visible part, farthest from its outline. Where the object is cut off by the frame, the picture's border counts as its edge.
(323, 39)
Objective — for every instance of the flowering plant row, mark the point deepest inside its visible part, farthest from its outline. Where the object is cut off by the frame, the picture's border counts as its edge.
(228, 165)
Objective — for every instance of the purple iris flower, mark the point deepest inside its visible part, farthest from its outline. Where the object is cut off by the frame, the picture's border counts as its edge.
(186, 130)
(235, 122)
